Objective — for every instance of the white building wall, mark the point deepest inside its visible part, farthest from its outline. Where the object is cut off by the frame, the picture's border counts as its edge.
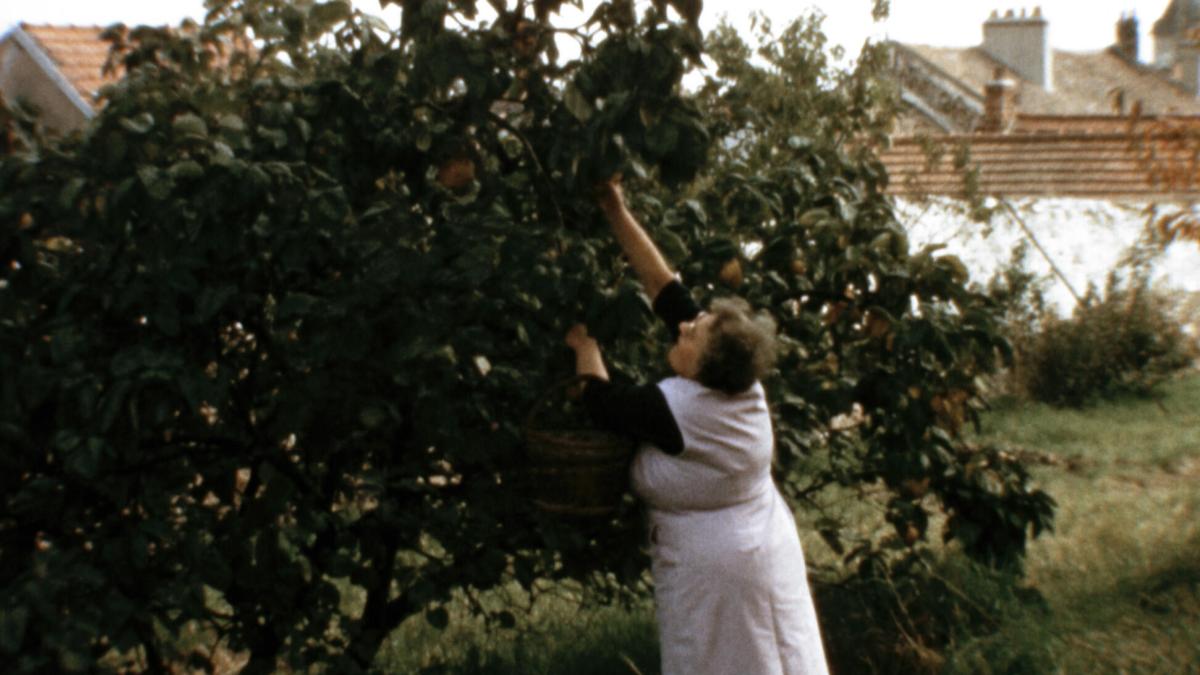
(1085, 238)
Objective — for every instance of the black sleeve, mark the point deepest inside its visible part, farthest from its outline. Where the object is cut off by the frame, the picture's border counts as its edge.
(674, 305)
(640, 411)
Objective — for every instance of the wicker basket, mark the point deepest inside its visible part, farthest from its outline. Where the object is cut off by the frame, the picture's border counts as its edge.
(575, 471)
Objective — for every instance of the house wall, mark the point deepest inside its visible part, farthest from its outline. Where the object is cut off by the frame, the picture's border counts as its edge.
(1085, 238)
(22, 79)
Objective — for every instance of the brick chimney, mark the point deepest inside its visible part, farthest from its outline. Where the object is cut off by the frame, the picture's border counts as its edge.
(1127, 38)
(1022, 44)
(999, 104)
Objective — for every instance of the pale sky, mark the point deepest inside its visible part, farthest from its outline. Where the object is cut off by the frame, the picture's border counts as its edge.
(1076, 25)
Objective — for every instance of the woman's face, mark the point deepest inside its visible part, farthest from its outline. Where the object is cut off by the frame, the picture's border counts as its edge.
(685, 355)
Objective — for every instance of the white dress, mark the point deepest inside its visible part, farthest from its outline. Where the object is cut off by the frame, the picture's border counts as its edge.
(731, 589)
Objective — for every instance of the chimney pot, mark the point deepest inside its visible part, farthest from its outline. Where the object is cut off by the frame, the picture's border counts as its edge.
(1127, 38)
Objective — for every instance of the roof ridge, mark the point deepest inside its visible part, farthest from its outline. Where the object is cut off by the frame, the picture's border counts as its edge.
(50, 64)
(26, 24)
(955, 81)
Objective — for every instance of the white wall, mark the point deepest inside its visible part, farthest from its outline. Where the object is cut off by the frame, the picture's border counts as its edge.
(1085, 238)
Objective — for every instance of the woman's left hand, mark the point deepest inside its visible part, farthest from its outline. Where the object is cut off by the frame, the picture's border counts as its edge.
(588, 360)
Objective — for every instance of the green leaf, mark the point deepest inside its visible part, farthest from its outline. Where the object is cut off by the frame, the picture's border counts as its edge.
(13, 622)
(661, 139)
(688, 9)
(303, 128)
(328, 13)
(167, 318)
(222, 155)
(955, 267)
(231, 122)
(187, 169)
(577, 104)
(157, 182)
(70, 193)
(138, 124)
(189, 125)
(814, 217)
(424, 141)
(372, 417)
(672, 246)
(112, 404)
(697, 211)
(278, 493)
(296, 305)
(376, 23)
(84, 459)
(277, 137)
(196, 388)
(211, 566)
(271, 29)
(212, 300)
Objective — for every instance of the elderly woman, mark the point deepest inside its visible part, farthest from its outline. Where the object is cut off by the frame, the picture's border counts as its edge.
(730, 585)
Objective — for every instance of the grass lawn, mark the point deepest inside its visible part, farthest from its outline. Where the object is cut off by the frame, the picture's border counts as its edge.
(1120, 574)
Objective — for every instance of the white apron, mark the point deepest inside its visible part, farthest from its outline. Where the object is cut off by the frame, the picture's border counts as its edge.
(730, 585)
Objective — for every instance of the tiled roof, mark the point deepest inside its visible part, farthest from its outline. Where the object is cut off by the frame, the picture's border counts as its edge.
(1084, 83)
(78, 52)
(1090, 157)
(1178, 17)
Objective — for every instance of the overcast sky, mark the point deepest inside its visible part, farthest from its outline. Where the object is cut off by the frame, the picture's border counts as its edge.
(1078, 25)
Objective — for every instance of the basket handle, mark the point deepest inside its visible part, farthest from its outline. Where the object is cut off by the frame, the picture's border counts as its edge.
(553, 389)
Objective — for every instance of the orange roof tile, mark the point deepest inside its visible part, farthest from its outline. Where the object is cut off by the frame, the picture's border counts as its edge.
(1092, 157)
(79, 54)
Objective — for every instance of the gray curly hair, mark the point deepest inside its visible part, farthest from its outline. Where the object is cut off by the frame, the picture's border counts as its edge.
(741, 346)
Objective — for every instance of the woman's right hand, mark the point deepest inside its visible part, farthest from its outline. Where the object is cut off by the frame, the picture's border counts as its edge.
(609, 194)
(578, 337)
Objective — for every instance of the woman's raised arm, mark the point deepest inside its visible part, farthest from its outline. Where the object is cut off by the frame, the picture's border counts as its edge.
(648, 263)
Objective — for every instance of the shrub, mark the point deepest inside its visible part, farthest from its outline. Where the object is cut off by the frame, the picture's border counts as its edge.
(1122, 341)
(914, 618)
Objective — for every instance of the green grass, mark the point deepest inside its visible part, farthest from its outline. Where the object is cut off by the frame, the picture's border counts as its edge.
(557, 635)
(1125, 431)
(1120, 575)
(1121, 572)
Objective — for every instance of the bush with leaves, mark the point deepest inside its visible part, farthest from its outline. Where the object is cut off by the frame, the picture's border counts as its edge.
(1123, 340)
(906, 621)
(273, 321)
